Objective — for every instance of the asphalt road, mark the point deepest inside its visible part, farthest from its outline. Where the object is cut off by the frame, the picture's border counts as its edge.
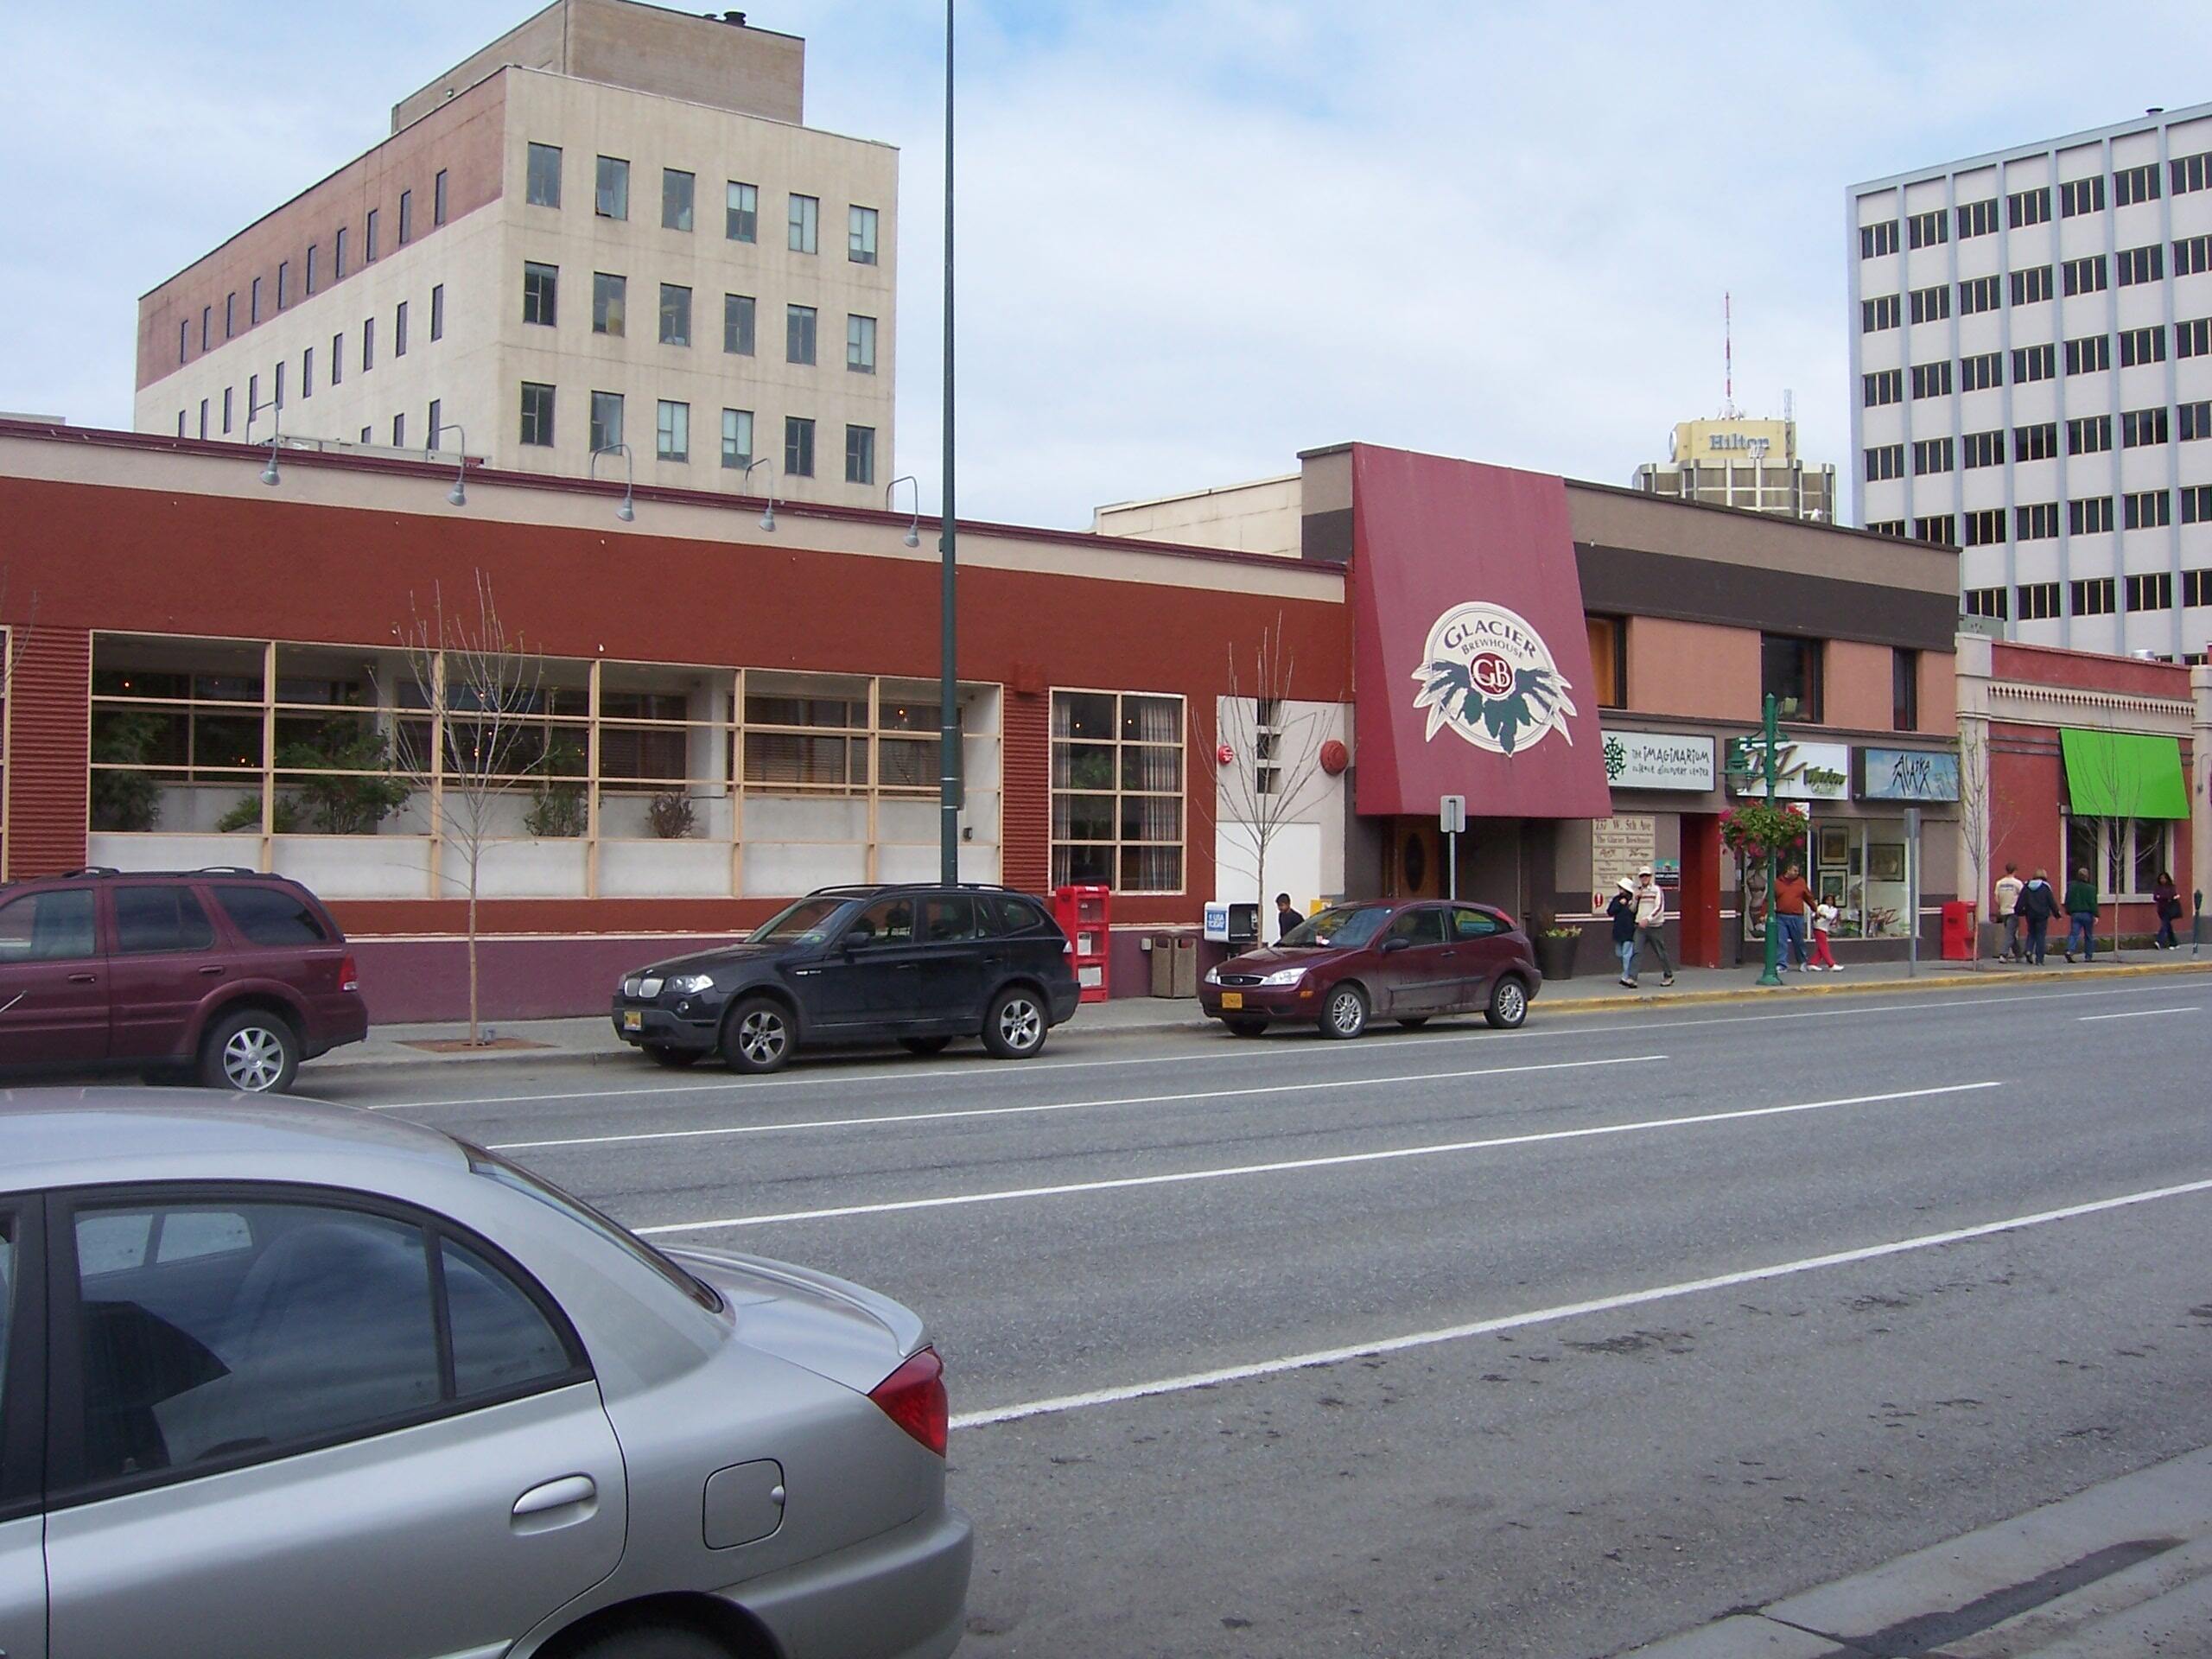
(1677, 1314)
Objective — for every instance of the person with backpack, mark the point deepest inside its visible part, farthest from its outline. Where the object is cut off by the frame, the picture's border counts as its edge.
(2036, 905)
(2167, 897)
(2008, 906)
(2082, 914)
(1623, 910)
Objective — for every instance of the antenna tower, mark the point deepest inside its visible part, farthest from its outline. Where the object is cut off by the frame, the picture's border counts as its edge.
(1728, 410)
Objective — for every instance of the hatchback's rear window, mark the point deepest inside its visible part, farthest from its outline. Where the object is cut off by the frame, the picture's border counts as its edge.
(270, 915)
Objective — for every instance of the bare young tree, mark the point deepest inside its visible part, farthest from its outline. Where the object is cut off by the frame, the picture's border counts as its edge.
(1274, 754)
(473, 736)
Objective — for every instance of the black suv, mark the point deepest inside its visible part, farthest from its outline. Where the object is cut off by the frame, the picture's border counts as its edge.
(923, 963)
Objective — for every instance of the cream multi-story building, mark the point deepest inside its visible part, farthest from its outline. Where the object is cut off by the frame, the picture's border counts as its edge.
(611, 226)
(1744, 461)
(2031, 378)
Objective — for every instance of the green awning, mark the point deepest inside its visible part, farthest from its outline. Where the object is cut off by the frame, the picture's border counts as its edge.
(2123, 775)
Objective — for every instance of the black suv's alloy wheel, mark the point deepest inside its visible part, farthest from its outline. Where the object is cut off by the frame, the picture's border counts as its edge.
(1014, 1029)
(757, 1036)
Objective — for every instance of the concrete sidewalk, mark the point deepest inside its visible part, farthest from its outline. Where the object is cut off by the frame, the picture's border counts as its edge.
(588, 1038)
(2121, 1570)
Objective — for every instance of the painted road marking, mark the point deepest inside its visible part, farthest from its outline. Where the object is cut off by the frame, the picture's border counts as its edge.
(1064, 1105)
(1068, 1403)
(2140, 1013)
(959, 1072)
(1287, 1166)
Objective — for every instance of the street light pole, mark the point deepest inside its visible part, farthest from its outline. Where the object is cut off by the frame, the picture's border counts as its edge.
(1772, 973)
(948, 683)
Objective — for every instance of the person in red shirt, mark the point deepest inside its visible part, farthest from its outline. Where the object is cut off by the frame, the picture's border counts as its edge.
(1792, 900)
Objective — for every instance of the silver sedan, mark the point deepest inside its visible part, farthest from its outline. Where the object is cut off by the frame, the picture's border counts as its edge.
(280, 1379)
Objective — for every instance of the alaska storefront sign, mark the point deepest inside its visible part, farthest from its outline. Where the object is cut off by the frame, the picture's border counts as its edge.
(1659, 760)
(1470, 647)
(1809, 771)
(1908, 775)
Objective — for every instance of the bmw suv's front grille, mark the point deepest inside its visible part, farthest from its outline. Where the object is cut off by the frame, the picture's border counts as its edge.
(643, 988)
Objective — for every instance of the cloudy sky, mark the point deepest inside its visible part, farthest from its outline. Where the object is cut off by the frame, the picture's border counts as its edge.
(1194, 238)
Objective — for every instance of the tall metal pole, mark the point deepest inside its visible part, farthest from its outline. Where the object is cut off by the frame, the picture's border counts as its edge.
(948, 683)
(1772, 975)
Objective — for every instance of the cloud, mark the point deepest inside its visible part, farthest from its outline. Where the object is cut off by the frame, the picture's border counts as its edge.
(1193, 238)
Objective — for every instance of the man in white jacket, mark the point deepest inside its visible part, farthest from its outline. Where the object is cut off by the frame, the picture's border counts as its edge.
(2008, 899)
(1651, 921)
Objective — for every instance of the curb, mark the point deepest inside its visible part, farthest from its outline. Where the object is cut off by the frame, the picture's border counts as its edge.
(1869, 986)
(2108, 1572)
(1567, 1007)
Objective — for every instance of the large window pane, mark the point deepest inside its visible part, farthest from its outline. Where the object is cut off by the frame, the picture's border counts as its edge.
(1117, 779)
(675, 193)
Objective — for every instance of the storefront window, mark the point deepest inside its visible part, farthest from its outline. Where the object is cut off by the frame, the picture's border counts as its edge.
(251, 752)
(2127, 856)
(1117, 790)
(1860, 866)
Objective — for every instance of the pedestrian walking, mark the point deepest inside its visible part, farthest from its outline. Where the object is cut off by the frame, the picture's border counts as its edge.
(2036, 905)
(1623, 910)
(1825, 915)
(2082, 914)
(1651, 921)
(2167, 897)
(1286, 916)
(1792, 900)
(2008, 906)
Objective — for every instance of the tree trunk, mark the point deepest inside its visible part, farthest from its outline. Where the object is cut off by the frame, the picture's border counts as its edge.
(472, 954)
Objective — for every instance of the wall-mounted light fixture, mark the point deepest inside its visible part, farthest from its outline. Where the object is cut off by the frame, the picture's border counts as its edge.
(913, 529)
(626, 512)
(457, 496)
(768, 513)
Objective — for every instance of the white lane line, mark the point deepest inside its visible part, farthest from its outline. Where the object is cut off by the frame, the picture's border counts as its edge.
(1335, 1161)
(1065, 1105)
(1183, 1384)
(1246, 1054)
(2140, 1013)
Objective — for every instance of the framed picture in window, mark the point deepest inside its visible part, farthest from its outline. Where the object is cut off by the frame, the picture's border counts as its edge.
(1832, 888)
(1835, 844)
(1885, 860)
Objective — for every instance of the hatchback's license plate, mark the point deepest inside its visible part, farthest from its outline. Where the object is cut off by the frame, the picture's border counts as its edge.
(1232, 999)
(634, 1019)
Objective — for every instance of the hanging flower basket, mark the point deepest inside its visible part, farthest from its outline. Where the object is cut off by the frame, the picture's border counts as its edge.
(1756, 827)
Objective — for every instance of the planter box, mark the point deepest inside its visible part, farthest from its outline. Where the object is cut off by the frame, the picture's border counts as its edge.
(1555, 958)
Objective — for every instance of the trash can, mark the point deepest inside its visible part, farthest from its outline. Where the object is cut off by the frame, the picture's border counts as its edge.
(1186, 967)
(1958, 930)
(1162, 949)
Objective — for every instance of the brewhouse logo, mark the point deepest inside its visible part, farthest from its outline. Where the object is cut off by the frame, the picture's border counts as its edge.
(1489, 675)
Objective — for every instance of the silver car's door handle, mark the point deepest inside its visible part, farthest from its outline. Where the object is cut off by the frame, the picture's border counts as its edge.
(556, 1495)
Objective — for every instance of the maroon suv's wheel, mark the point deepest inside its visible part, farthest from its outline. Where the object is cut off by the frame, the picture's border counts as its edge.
(250, 1052)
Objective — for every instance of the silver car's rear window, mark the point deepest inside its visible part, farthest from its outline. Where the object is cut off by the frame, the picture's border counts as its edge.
(491, 1166)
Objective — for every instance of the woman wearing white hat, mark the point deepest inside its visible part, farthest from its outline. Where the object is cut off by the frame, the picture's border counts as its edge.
(1623, 910)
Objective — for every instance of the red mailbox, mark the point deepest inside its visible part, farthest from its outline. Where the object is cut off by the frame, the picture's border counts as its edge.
(1083, 913)
(1958, 930)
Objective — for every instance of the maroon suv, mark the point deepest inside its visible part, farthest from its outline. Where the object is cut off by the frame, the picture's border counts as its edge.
(1396, 959)
(233, 976)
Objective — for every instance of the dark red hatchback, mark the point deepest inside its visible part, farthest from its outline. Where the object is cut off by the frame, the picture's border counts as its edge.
(1405, 960)
(233, 976)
